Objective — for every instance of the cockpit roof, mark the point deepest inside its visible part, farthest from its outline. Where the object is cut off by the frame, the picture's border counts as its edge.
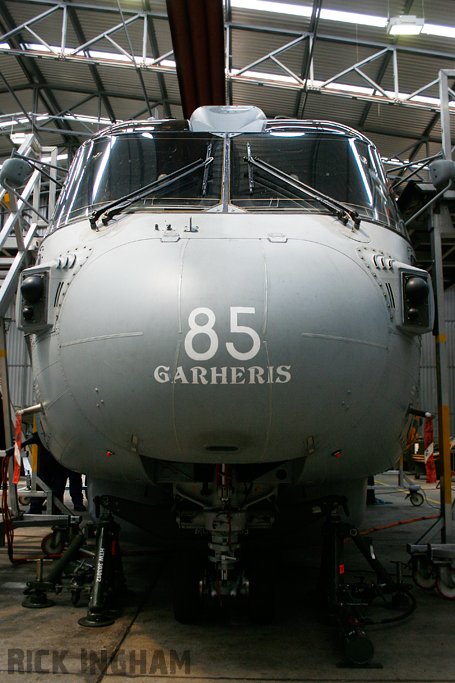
(177, 125)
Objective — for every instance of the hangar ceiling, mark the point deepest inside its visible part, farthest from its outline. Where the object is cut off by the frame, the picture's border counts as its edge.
(67, 65)
(69, 68)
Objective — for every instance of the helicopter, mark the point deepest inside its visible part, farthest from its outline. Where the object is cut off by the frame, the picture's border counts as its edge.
(224, 322)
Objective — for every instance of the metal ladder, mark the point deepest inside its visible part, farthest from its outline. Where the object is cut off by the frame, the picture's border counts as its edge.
(21, 236)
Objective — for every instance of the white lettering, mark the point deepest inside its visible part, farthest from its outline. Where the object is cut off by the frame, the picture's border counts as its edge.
(282, 370)
(258, 372)
(196, 329)
(222, 374)
(161, 374)
(236, 328)
(199, 373)
(226, 375)
(236, 373)
(99, 569)
(179, 374)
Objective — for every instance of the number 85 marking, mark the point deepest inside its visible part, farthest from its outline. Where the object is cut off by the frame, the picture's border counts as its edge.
(208, 330)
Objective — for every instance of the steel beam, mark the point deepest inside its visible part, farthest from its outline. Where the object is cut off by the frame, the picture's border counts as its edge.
(444, 75)
(93, 70)
(442, 377)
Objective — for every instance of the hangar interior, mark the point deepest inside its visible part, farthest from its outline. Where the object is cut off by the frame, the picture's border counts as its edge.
(69, 69)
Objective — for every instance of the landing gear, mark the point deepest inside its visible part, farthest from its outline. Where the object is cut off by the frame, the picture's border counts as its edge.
(225, 513)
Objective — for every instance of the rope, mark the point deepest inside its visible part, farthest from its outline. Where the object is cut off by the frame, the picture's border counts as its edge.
(6, 512)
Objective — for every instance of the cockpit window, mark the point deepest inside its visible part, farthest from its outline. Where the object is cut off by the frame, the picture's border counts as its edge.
(111, 167)
(337, 165)
(288, 168)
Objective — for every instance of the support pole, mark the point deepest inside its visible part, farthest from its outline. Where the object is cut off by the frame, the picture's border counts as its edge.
(445, 112)
(435, 228)
(442, 378)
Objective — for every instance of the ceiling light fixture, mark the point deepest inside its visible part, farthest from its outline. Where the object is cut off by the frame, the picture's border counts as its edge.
(405, 25)
(306, 11)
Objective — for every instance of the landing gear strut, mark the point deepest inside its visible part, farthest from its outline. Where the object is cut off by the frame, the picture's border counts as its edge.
(224, 513)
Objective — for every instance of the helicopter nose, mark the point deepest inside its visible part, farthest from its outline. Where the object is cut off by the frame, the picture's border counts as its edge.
(223, 350)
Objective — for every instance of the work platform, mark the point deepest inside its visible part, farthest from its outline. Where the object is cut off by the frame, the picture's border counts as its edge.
(146, 643)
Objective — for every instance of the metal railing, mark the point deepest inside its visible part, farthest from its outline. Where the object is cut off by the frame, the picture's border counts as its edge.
(21, 224)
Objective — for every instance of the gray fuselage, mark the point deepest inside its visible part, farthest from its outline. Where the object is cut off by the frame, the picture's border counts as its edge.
(232, 333)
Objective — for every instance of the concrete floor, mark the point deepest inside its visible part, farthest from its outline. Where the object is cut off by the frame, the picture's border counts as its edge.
(49, 645)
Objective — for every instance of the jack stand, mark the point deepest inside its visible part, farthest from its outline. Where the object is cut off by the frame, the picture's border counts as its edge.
(36, 592)
(366, 548)
(346, 601)
(108, 572)
(357, 646)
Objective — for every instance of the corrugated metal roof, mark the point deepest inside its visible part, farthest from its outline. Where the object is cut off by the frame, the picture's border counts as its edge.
(339, 45)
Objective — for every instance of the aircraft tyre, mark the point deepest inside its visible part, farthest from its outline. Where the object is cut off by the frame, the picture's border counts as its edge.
(187, 595)
(261, 573)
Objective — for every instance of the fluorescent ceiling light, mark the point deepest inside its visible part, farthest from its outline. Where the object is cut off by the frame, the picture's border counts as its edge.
(260, 76)
(299, 11)
(354, 18)
(405, 25)
(86, 119)
(438, 30)
(334, 15)
(262, 6)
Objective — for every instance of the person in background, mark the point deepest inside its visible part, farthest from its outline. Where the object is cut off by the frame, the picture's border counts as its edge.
(55, 476)
(76, 491)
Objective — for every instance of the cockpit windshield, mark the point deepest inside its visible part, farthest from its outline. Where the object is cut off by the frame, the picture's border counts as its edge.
(337, 166)
(112, 167)
(298, 167)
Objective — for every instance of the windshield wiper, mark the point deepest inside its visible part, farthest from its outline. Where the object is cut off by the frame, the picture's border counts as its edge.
(337, 208)
(122, 203)
(205, 177)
